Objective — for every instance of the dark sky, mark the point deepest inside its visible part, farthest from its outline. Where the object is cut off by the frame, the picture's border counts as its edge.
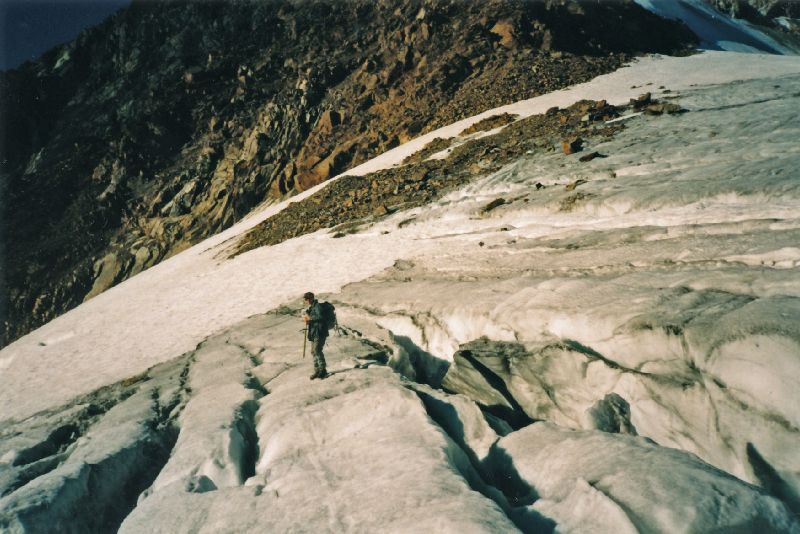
(28, 28)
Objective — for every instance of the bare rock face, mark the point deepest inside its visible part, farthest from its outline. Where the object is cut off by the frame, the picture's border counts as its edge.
(171, 120)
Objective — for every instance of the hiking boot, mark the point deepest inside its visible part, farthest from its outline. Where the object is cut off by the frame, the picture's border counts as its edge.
(315, 375)
(322, 374)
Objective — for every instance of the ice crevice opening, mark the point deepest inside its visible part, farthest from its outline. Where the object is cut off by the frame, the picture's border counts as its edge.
(88, 466)
(495, 459)
(492, 474)
(91, 471)
(233, 441)
(672, 398)
(218, 445)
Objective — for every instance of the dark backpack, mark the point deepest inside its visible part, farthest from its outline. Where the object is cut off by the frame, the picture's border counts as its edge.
(328, 315)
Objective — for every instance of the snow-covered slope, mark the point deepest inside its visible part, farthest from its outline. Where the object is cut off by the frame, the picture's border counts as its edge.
(659, 297)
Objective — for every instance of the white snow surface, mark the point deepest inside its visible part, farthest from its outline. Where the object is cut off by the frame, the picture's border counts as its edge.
(668, 279)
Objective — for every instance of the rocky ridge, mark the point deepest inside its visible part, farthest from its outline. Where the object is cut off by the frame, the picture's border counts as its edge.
(172, 120)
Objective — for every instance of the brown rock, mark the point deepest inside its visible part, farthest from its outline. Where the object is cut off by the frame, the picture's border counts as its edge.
(641, 102)
(418, 175)
(673, 108)
(255, 144)
(506, 31)
(105, 270)
(328, 121)
(661, 108)
(424, 31)
(547, 41)
(489, 123)
(654, 109)
(571, 146)
(493, 204)
(569, 203)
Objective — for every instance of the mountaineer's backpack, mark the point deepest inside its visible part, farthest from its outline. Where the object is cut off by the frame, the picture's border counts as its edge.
(328, 315)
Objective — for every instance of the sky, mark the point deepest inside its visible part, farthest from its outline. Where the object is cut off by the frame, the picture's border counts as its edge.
(28, 28)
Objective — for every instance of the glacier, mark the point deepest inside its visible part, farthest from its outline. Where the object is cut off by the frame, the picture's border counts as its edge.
(619, 355)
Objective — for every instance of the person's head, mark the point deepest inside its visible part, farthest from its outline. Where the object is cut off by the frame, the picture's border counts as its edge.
(309, 297)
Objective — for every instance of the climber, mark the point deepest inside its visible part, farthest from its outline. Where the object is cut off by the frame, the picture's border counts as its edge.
(317, 333)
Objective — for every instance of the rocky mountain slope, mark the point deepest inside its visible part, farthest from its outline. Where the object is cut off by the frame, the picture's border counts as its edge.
(172, 120)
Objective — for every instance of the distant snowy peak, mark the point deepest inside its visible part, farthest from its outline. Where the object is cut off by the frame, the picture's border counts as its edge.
(716, 30)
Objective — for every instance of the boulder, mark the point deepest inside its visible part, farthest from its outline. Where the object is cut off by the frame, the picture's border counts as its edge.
(571, 146)
(506, 31)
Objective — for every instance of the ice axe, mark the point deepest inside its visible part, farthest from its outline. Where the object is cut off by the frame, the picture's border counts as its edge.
(305, 338)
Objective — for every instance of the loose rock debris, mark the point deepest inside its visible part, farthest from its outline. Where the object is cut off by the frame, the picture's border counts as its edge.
(354, 201)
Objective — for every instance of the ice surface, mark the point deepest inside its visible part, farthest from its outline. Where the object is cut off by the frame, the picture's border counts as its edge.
(621, 483)
(354, 452)
(211, 447)
(655, 282)
(98, 456)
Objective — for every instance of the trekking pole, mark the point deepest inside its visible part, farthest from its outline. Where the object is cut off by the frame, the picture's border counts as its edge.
(305, 338)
